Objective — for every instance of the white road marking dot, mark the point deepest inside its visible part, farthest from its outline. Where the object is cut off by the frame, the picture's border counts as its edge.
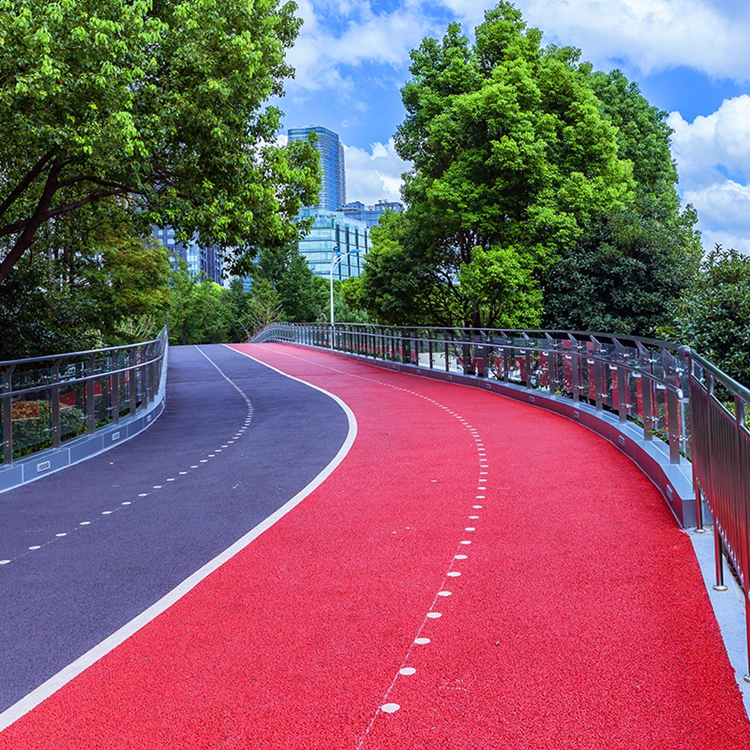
(407, 671)
(128, 503)
(4, 562)
(434, 615)
(63, 534)
(36, 546)
(444, 593)
(157, 486)
(194, 467)
(183, 472)
(225, 446)
(231, 442)
(482, 473)
(204, 460)
(477, 506)
(453, 574)
(461, 557)
(421, 641)
(390, 708)
(473, 518)
(211, 455)
(171, 479)
(106, 512)
(465, 541)
(143, 494)
(470, 528)
(84, 523)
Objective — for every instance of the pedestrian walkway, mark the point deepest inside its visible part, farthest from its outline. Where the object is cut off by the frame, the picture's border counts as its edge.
(474, 573)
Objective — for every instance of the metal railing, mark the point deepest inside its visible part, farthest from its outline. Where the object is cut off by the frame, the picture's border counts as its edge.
(45, 401)
(668, 392)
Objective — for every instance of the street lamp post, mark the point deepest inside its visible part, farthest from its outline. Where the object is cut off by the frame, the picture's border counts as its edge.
(336, 260)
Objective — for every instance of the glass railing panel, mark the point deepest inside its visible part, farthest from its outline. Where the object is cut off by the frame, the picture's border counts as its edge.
(32, 423)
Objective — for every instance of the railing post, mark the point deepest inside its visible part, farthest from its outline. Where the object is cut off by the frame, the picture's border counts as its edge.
(54, 396)
(132, 382)
(89, 390)
(719, 561)
(8, 415)
(116, 391)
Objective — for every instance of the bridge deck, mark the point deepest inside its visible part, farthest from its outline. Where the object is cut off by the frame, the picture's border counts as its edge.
(475, 573)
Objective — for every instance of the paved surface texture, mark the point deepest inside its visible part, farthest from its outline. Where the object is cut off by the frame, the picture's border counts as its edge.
(221, 466)
(475, 574)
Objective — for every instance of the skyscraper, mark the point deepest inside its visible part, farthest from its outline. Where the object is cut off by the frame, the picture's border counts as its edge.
(333, 180)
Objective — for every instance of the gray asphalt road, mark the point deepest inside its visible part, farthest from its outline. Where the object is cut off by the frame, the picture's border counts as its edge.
(94, 545)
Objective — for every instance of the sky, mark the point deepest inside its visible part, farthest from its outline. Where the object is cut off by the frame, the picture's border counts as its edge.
(690, 58)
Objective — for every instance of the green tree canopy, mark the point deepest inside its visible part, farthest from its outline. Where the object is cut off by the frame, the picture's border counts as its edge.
(156, 104)
(714, 317)
(526, 164)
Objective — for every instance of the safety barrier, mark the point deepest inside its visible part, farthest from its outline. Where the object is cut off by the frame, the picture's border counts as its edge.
(69, 400)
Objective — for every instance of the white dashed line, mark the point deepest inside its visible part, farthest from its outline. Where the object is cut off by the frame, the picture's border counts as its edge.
(407, 671)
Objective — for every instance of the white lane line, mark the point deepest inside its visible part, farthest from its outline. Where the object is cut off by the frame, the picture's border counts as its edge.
(65, 675)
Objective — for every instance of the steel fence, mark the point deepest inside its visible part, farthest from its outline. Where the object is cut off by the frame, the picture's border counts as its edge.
(45, 401)
(670, 393)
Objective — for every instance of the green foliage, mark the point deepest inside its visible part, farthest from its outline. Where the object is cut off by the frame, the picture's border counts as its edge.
(40, 317)
(156, 104)
(300, 297)
(713, 318)
(624, 276)
(199, 312)
(541, 192)
(264, 306)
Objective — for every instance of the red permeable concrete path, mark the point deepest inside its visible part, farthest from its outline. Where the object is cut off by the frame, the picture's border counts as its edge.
(475, 574)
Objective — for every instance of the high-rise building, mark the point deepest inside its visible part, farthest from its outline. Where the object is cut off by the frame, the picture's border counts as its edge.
(334, 235)
(202, 262)
(370, 214)
(333, 179)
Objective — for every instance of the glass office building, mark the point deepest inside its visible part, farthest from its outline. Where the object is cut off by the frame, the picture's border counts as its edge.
(332, 232)
(204, 262)
(371, 215)
(333, 178)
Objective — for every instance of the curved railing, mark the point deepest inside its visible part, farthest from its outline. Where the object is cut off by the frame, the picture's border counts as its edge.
(47, 401)
(667, 407)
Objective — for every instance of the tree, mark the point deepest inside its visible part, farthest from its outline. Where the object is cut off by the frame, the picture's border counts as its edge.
(88, 283)
(157, 105)
(627, 270)
(264, 306)
(300, 297)
(513, 160)
(199, 311)
(714, 317)
(624, 276)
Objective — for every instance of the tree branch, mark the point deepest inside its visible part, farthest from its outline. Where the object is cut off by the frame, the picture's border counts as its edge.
(31, 175)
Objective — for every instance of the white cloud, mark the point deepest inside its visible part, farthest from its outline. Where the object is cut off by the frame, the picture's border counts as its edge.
(713, 160)
(715, 145)
(374, 174)
(350, 34)
(712, 36)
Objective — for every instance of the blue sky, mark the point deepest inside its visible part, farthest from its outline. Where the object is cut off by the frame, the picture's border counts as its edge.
(690, 58)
